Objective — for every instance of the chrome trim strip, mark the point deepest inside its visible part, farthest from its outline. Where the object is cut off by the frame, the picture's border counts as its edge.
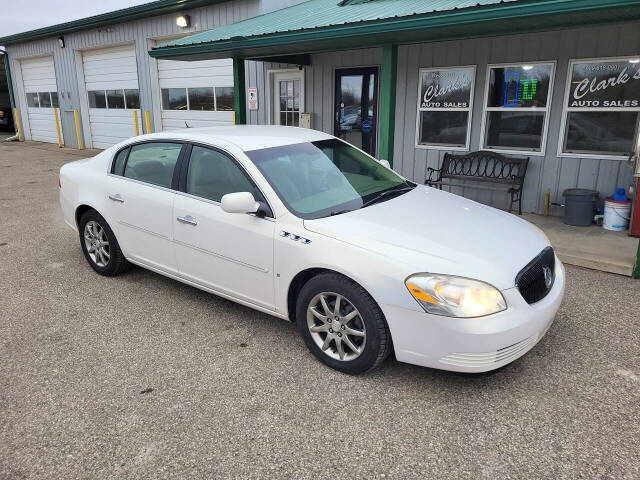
(214, 254)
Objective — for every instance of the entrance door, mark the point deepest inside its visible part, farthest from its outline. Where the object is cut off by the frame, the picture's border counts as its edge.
(288, 98)
(40, 87)
(356, 107)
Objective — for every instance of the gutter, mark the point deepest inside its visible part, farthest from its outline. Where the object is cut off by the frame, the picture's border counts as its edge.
(395, 25)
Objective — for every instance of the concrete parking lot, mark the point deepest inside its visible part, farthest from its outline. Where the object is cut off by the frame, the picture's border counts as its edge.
(140, 376)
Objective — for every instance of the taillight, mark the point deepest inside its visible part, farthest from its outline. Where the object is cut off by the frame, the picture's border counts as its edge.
(1, 113)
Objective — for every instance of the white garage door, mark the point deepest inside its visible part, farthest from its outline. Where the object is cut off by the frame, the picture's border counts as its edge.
(39, 82)
(111, 81)
(196, 94)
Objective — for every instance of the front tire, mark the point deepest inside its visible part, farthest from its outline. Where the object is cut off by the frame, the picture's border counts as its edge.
(99, 245)
(342, 324)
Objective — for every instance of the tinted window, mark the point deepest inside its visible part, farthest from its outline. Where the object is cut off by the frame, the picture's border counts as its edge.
(153, 163)
(96, 99)
(440, 127)
(174, 98)
(118, 163)
(115, 98)
(212, 175)
(132, 97)
(515, 130)
(224, 98)
(519, 86)
(32, 99)
(45, 100)
(201, 98)
(601, 132)
(54, 100)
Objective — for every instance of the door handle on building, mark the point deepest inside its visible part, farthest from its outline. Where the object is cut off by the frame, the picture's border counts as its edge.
(188, 219)
(116, 198)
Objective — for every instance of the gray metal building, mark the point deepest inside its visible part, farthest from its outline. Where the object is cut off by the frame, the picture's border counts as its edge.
(361, 70)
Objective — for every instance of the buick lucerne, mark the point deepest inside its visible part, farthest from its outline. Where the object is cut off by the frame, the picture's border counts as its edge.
(301, 225)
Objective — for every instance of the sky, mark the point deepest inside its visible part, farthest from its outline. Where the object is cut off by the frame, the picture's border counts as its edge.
(22, 15)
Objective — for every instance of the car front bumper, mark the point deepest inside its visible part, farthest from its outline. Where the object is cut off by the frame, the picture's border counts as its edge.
(474, 344)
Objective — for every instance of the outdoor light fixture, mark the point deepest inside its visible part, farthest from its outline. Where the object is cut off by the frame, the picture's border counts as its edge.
(183, 21)
(61, 41)
(527, 67)
(634, 60)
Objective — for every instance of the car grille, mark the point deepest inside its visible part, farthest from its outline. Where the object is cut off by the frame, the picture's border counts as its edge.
(488, 359)
(536, 279)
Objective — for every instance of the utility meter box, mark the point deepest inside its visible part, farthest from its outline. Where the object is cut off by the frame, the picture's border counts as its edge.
(306, 120)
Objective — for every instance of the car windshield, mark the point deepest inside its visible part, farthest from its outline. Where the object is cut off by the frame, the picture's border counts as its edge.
(323, 178)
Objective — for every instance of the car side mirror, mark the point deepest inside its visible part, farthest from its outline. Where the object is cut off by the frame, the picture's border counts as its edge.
(385, 163)
(239, 202)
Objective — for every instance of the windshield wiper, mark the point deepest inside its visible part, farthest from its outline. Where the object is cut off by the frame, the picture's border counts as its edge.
(338, 212)
(387, 193)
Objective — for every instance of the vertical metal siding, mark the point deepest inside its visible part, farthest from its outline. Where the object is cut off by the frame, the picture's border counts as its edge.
(548, 171)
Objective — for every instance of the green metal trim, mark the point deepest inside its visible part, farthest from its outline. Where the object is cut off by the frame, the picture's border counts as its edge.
(239, 92)
(159, 7)
(636, 270)
(395, 25)
(388, 81)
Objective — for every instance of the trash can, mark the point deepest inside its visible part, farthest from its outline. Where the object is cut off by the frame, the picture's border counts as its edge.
(579, 206)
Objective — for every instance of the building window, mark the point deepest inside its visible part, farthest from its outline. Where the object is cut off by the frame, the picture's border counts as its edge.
(198, 98)
(118, 99)
(517, 107)
(445, 101)
(602, 108)
(42, 99)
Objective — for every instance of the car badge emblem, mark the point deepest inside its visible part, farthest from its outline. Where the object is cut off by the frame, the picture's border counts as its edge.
(548, 276)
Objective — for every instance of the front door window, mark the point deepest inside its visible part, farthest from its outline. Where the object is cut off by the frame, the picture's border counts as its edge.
(356, 107)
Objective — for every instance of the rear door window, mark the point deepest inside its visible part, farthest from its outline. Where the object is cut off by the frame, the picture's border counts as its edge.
(153, 163)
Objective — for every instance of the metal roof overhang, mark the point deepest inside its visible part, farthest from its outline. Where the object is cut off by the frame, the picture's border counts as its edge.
(499, 19)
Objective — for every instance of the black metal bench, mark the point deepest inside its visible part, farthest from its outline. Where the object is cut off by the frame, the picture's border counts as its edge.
(482, 166)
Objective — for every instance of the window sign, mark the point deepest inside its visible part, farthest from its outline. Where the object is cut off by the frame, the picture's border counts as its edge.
(445, 100)
(602, 108)
(516, 107)
(605, 84)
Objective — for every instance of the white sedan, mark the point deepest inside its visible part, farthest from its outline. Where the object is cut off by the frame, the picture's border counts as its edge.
(303, 226)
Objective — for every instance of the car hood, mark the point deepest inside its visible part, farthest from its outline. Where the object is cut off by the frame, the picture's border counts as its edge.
(430, 230)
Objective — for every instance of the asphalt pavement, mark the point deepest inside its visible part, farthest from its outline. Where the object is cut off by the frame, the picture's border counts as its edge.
(140, 376)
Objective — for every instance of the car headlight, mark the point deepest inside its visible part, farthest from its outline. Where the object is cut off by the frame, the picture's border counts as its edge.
(455, 296)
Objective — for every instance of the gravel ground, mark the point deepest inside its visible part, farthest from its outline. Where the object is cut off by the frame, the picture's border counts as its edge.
(142, 377)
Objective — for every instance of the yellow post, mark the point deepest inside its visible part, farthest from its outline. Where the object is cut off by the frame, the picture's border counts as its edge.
(234, 118)
(55, 114)
(16, 116)
(147, 121)
(76, 117)
(547, 199)
(135, 122)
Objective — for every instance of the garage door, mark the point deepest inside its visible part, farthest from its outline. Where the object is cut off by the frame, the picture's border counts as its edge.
(111, 82)
(196, 94)
(39, 82)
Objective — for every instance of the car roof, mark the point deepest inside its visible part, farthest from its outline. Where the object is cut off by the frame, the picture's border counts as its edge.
(246, 137)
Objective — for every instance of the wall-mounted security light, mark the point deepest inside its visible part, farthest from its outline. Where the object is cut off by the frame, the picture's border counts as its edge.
(527, 67)
(634, 60)
(183, 21)
(61, 42)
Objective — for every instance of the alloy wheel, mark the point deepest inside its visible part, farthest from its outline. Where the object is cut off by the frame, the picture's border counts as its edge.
(336, 326)
(97, 244)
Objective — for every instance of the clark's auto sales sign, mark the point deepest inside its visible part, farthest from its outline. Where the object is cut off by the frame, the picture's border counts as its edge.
(614, 84)
(446, 88)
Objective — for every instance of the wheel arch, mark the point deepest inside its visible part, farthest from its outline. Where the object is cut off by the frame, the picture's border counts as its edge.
(81, 210)
(302, 277)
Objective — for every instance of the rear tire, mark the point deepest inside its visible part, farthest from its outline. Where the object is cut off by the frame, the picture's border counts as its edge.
(99, 245)
(352, 338)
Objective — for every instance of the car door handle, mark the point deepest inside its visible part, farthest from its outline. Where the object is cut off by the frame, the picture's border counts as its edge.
(116, 198)
(187, 219)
